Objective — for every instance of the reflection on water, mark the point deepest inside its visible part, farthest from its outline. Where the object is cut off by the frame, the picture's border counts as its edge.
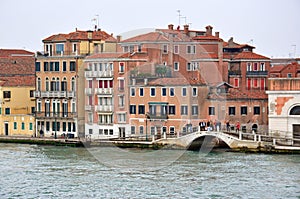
(29, 171)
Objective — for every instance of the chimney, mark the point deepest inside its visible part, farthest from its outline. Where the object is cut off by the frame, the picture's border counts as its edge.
(90, 34)
(209, 30)
(186, 29)
(170, 26)
(230, 42)
(217, 34)
(119, 38)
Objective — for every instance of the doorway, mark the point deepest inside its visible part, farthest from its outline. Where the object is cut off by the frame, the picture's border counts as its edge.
(296, 133)
(122, 132)
(6, 128)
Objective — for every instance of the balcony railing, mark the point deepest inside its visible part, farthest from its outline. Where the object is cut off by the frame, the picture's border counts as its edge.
(89, 91)
(103, 91)
(88, 108)
(58, 115)
(234, 72)
(98, 74)
(104, 108)
(54, 94)
(257, 73)
(62, 53)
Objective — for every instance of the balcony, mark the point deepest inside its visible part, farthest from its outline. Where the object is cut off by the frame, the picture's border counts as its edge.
(52, 94)
(104, 108)
(257, 73)
(88, 108)
(234, 72)
(89, 91)
(52, 115)
(103, 91)
(98, 74)
(158, 116)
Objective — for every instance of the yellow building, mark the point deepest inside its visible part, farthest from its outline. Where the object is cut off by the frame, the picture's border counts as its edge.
(60, 81)
(17, 85)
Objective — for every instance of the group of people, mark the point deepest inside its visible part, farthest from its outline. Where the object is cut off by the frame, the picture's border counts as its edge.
(208, 125)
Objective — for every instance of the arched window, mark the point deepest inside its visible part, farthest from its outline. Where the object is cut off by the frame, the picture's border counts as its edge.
(64, 84)
(47, 84)
(295, 110)
(73, 85)
(39, 84)
(57, 84)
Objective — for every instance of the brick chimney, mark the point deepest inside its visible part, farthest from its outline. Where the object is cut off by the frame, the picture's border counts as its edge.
(217, 34)
(170, 26)
(119, 37)
(186, 29)
(209, 30)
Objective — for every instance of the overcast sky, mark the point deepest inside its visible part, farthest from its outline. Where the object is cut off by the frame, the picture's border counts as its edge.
(273, 26)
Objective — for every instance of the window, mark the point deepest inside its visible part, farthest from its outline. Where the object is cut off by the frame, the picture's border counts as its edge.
(152, 109)
(46, 66)
(249, 84)
(121, 117)
(121, 84)
(195, 91)
(172, 130)
(188, 66)
(30, 126)
(7, 111)
(131, 48)
(163, 91)
(255, 66)
(132, 92)
(47, 126)
(262, 66)
(31, 93)
(289, 75)
(255, 85)
(256, 110)
(56, 66)
(243, 110)
(184, 110)
(172, 92)
(141, 109)
(141, 92)
(194, 110)
(121, 67)
(236, 82)
(176, 66)
(32, 110)
(191, 49)
(139, 47)
(195, 66)
(23, 126)
(72, 66)
(249, 66)
(74, 48)
(141, 129)
(231, 110)
(152, 130)
(132, 109)
(59, 48)
(121, 101)
(132, 129)
(37, 66)
(262, 84)
(15, 125)
(171, 109)
(152, 92)
(176, 49)
(165, 49)
(183, 92)
(211, 110)
(6, 94)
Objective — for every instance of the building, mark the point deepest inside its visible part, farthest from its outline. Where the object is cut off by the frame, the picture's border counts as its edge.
(284, 107)
(169, 80)
(60, 80)
(17, 85)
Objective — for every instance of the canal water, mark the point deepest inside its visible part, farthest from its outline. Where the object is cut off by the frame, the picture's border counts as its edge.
(30, 171)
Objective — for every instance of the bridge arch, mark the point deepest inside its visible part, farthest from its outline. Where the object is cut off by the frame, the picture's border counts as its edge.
(205, 142)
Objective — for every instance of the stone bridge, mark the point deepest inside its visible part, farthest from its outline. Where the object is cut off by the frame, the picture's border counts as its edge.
(232, 141)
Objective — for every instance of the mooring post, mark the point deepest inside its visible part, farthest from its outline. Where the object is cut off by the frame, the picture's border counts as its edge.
(240, 135)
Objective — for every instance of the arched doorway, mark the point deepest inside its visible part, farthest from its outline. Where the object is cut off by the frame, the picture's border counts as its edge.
(254, 128)
(295, 112)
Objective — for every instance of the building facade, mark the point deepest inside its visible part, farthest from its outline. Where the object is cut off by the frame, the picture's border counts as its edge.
(60, 81)
(17, 85)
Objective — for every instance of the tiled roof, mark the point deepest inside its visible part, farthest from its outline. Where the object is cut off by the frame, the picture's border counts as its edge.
(249, 55)
(14, 53)
(207, 38)
(78, 35)
(17, 80)
(276, 68)
(17, 65)
(236, 94)
(151, 36)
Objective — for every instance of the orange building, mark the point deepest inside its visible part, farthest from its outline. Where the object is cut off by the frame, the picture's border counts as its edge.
(60, 80)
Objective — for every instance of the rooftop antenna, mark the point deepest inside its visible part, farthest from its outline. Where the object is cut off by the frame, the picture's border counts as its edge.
(179, 16)
(184, 20)
(295, 46)
(96, 20)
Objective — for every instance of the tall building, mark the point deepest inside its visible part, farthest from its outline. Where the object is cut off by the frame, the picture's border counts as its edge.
(17, 85)
(60, 80)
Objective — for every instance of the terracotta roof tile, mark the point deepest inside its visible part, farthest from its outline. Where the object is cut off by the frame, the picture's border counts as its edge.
(18, 80)
(15, 53)
(249, 55)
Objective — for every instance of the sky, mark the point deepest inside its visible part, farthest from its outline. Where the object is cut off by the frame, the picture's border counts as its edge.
(272, 26)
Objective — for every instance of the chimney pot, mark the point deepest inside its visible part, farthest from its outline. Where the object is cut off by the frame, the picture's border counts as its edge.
(209, 30)
(186, 29)
(119, 37)
(217, 34)
(170, 26)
